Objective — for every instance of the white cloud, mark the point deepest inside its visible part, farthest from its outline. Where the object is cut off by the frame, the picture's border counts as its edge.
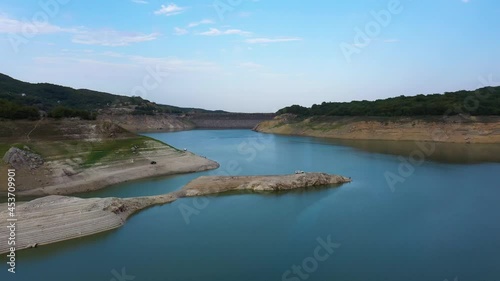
(205, 21)
(170, 10)
(140, 1)
(110, 37)
(170, 64)
(217, 32)
(80, 35)
(272, 40)
(180, 31)
(10, 25)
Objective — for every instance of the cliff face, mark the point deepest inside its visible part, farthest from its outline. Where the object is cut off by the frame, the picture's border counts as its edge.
(149, 123)
(457, 129)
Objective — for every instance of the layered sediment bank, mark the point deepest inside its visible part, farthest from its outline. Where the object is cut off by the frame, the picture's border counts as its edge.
(58, 218)
(72, 156)
(454, 129)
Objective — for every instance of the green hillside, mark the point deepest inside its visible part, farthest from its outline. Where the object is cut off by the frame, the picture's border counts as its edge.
(19, 100)
(484, 101)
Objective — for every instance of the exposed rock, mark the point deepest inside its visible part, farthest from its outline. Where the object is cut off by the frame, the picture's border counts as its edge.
(68, 172)
(20, 159)
(217, 184)
(58, 218)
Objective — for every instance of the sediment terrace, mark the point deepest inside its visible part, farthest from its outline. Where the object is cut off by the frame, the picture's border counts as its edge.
(58, 218)
(71, 156)
(456, 129)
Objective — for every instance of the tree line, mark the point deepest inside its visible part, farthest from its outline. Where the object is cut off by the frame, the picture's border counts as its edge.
(484, 101)
(22, 99)
(11, 110)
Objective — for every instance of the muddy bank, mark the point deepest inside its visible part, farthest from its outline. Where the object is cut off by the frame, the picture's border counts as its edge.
(456, 129)
(56, 218)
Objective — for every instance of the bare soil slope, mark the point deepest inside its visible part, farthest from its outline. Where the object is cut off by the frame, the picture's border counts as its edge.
(457, 129)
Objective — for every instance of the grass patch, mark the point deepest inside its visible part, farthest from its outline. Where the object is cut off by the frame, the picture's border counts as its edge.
(113, 150)
(158, 141)
(4, 147)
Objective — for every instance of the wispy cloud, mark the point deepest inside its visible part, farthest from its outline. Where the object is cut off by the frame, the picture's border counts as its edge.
(80, 35)
(217, 32)
(10, 25)
(170, 10)
(272, 40)
(170, 64)
(197, 23)
(140, 1)
(180, 31)
(110, 37)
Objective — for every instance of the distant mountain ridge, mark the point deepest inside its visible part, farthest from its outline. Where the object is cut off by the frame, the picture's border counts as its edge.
(18, 97)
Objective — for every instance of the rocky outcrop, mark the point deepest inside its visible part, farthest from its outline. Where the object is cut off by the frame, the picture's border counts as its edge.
(218, 184)
(22, 159)
(57, 218)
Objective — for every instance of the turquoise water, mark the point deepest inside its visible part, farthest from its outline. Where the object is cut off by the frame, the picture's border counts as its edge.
(438, 222)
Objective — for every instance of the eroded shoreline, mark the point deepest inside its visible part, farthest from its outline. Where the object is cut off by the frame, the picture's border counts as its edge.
(452, 129)
(58, 218)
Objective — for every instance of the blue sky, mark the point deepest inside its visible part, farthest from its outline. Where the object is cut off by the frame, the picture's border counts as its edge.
(253, 55)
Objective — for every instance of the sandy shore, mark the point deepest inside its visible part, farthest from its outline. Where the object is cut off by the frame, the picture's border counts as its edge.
(58, 218)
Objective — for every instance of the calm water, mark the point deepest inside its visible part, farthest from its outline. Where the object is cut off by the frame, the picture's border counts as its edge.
(439, 221)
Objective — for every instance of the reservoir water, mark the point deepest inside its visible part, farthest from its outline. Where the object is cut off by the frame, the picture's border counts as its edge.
(434, 217)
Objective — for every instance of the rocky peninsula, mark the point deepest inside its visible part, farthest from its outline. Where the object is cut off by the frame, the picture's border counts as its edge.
(58, 218)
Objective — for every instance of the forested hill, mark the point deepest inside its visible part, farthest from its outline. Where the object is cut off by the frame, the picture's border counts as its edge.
(484, 101)
(20, 100)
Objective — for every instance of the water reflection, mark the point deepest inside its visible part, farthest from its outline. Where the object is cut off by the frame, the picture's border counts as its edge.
(455, 153)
